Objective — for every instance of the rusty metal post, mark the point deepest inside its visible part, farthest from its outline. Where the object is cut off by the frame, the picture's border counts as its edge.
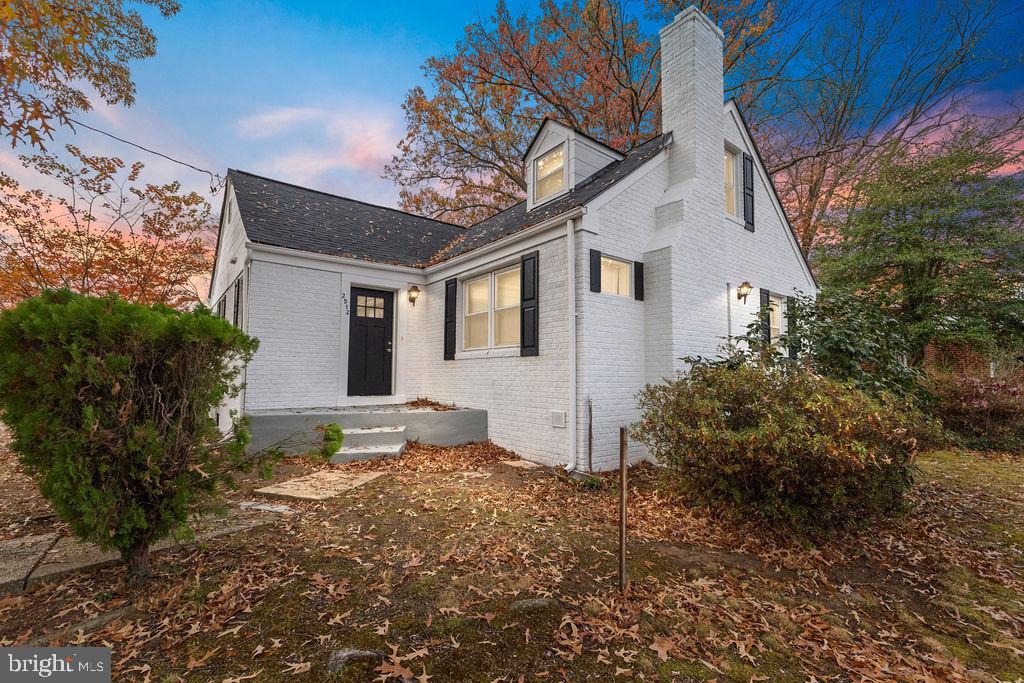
(623, 469)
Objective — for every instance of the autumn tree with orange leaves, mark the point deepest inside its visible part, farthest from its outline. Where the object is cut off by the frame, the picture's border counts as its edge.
(586, 63)
(51, 48)
(105, 232)
(824, 86)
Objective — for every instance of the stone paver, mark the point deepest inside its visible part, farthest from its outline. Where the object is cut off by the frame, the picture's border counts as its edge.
(320, 485)
(520, 464)
(19, 555)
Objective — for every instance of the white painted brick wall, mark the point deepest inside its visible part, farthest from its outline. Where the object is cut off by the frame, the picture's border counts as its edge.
(296, 314)
(518, 393)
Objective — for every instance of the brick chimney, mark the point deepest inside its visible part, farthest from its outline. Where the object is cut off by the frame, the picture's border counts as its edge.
(691, 99)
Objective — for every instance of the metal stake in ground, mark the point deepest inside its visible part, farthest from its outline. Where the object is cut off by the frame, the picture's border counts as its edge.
(623, 467)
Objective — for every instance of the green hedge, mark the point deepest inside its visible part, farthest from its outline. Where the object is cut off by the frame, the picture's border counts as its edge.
(110, 404)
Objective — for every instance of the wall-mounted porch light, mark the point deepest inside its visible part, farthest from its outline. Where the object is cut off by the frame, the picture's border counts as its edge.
(743, 290)
(414, 293)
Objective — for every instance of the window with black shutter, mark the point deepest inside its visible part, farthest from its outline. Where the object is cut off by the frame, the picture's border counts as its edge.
(748, 192)
(766, 318)
(595, 270)
(638, 280)
(237, 315)
(529, 317)
(794, 340)
(451, 289)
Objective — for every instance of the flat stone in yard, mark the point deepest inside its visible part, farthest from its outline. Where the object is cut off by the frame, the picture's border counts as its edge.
(266, 507)
(532, 605)
(339, 659)
(520, 464)
(18, 556)
(320, 485)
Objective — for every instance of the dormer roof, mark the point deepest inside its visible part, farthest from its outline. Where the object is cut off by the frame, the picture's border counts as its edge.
(566, 130)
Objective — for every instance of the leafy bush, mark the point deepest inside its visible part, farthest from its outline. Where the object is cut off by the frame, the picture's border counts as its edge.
(333, 436)
(855, 339)
(795, 448)
(986, 414)
(110, 408)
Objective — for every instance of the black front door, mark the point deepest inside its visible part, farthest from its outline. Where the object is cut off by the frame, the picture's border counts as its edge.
(369, 342)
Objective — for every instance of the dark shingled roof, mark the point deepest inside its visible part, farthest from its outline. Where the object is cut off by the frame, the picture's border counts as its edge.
(516, 218)
(284, 215)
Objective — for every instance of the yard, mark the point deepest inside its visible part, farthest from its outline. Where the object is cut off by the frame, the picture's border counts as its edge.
(488, 572)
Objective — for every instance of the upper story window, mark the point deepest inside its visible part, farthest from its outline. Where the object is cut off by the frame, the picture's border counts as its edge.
(731, 192)
(615, 276)
(491, 316)
(549, 173)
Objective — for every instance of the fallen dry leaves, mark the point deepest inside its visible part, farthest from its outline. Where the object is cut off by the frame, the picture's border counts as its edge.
(429, 568)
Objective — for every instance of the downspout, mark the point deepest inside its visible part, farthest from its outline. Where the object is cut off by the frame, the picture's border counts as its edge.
(570, 247)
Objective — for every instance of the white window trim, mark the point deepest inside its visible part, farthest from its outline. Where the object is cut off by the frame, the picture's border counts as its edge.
(537, 199)
(737, 185)
(777, 302)
(629, 277)
(485, 351)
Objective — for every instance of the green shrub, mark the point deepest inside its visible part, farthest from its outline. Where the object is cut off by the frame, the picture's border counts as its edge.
(791, 446)
(110, 403)
(333, 437)
(855, 339)
(985, 414)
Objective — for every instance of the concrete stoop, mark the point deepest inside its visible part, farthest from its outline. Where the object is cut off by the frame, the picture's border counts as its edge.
(367, 443)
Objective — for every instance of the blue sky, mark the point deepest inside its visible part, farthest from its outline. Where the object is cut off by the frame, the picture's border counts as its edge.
(308, 92)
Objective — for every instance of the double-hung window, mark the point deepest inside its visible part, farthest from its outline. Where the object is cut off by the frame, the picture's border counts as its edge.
(731, 190)
(775, 304)
(492, 310)
(549, 173)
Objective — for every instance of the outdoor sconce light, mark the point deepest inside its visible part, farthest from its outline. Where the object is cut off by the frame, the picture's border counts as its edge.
(414, 293)
(743, 290)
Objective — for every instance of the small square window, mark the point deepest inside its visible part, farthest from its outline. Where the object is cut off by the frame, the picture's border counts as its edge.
(615, 276)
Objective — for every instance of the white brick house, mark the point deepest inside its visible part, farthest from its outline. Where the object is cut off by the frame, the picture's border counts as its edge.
(614, 268)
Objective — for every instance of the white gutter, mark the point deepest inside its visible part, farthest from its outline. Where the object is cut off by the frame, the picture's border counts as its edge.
(570, 247)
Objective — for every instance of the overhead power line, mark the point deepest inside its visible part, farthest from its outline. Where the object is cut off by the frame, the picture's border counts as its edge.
(216, 181)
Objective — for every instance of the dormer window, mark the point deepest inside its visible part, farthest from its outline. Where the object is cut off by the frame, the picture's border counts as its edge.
(549, 173)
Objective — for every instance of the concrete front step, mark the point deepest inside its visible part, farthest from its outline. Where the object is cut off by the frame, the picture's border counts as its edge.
(374, 436)
(350, 453)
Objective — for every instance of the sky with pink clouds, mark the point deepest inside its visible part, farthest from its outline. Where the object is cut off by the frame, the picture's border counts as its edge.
(305, 91)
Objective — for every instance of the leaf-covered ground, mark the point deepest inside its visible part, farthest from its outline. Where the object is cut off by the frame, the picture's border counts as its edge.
(432, 569)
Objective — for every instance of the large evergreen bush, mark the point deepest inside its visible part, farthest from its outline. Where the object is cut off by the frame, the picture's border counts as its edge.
(110, 408)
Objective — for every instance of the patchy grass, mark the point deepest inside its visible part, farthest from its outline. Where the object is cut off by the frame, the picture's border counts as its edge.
(431, 569)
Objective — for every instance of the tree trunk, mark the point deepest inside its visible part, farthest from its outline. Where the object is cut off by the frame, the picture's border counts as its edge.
(137, 559)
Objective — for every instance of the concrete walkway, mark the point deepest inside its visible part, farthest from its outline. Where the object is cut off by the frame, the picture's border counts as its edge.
(43, 557)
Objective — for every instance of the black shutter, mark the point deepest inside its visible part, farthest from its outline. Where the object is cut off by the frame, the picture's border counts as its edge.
(766, 320)
(748, 192)
(528, 318)
(451, 289)
(595, 270)
(238, 303)
(794, 341)
(638, 280)
(222, 307)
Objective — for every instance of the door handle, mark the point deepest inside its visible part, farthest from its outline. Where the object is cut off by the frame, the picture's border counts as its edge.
(387, 346)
